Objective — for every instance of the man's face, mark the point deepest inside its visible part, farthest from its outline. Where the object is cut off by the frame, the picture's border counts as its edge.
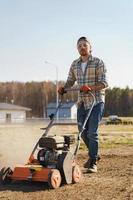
(83, 48)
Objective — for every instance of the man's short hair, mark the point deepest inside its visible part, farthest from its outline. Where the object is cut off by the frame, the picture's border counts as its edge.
(83, 38)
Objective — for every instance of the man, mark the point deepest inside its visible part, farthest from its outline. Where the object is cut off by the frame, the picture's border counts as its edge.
(90, 74)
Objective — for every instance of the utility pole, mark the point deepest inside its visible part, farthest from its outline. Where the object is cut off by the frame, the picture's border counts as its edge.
(57, 95)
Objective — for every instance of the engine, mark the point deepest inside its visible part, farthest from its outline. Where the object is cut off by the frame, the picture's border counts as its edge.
(52, 149)
(49, 157)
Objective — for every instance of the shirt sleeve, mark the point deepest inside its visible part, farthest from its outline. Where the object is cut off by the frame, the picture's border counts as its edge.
(71, 78)
(101, 73)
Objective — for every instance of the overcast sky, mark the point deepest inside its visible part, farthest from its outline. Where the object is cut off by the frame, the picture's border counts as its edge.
(35, 31)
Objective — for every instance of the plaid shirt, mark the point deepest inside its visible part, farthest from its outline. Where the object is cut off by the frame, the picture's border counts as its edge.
(95, 72)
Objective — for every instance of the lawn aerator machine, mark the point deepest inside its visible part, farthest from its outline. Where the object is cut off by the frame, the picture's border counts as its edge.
(52, 159)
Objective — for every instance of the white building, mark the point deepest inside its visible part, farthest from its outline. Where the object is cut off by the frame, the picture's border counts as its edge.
(67, 110)
(12, 113)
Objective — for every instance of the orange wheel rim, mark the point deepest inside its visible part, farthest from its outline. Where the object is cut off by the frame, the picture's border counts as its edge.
(76, 174)
(55, 179)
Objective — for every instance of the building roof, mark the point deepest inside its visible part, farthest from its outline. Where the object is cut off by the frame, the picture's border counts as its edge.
(64, 105)
(7, 106)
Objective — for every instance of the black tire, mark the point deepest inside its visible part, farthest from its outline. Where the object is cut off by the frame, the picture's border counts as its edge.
(5, 174)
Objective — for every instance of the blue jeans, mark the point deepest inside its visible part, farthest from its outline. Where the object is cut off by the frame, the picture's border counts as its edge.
(90, 134)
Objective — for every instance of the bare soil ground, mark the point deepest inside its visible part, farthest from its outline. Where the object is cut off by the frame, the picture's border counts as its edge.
(114, 180)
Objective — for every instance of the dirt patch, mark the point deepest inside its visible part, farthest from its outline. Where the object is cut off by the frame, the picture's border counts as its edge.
(114, 181)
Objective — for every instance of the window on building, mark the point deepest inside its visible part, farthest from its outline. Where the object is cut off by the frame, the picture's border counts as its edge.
(8, 117)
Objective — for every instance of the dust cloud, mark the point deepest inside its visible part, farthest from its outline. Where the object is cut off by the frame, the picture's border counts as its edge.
(17, 141)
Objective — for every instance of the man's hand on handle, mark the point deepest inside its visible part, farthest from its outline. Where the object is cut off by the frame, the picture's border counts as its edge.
(85, 88)
(61, 90)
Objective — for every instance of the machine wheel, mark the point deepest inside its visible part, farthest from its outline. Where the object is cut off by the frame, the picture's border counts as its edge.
(5, 175)
(76, 174)
(54, 179)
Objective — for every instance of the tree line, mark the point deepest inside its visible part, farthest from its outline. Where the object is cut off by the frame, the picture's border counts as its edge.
(119, 101)
(34, 95)
(37, 95)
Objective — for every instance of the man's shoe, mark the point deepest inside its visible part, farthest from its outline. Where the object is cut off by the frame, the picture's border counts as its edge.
(92, 168)
(87, 164)
(91, 165)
